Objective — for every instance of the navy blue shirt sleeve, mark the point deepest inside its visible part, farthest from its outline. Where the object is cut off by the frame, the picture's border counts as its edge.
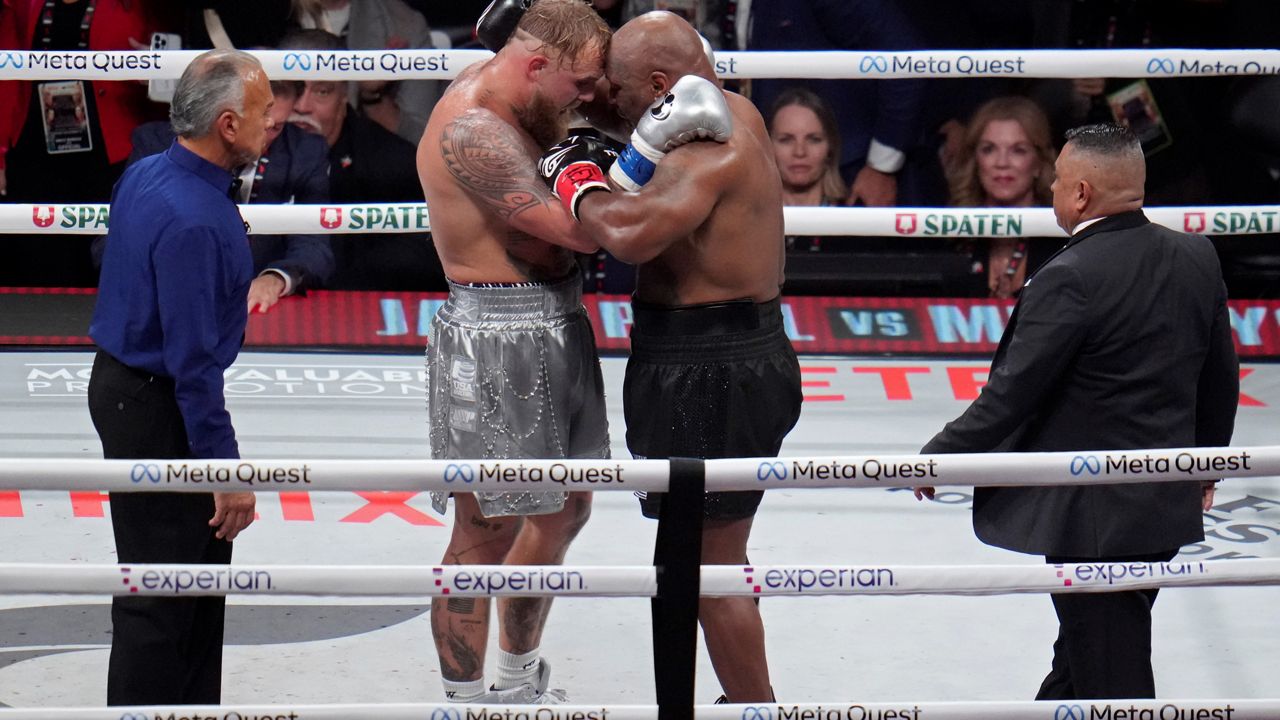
(190, 278)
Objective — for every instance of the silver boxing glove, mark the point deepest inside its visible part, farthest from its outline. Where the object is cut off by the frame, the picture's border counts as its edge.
(694, 109)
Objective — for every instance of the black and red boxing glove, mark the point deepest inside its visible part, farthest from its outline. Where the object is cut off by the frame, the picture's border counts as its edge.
(498, 21)
(576, 166)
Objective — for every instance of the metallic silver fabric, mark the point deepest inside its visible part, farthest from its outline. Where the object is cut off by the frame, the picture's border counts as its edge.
(512, 372)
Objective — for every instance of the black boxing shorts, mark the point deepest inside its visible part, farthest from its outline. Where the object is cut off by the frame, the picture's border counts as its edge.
(710, 381)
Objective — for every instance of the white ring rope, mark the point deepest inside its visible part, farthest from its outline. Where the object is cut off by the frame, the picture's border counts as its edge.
(1219, 709)
(436, 64)
(858, 471)
(171, 580)
(1189, 709)
(1088, 467)
(94, 219)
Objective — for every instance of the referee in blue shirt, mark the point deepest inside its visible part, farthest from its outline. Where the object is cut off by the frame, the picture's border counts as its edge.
(170, 319)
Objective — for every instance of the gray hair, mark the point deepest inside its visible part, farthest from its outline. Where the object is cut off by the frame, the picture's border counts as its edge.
(1106, 139)
(212, 84)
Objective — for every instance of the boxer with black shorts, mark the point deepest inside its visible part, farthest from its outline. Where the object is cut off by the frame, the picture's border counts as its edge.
(711, 374)
(511, 360)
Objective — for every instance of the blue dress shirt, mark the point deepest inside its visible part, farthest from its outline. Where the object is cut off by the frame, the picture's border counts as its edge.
(173, 296)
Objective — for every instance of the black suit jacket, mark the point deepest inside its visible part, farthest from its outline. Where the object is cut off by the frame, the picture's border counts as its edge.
(888, 110)
(298, 172)
(1121, 340)
(370, 164)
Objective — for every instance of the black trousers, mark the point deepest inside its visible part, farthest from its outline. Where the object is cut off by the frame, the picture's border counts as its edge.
(1103, 649)
(164, 651)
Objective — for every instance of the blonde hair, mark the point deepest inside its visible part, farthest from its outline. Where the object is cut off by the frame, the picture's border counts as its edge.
(962, 172)
(834, 190)
(566, 28)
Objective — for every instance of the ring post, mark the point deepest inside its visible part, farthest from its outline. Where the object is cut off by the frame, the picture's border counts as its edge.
(677, 556)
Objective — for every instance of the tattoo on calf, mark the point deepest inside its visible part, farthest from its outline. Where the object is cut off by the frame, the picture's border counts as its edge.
(521, 620)
(486, 158)
(464, 606)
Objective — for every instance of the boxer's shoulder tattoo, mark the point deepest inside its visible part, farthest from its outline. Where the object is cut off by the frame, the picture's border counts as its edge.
(487, 158)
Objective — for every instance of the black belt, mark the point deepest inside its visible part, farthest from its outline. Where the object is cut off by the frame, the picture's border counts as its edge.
(139, 373)
(722, 318)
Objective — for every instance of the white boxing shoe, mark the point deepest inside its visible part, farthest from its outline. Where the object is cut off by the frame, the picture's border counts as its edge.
(530, 693)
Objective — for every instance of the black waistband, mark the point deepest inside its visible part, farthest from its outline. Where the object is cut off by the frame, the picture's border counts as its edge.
(108, 362)
(722, 318)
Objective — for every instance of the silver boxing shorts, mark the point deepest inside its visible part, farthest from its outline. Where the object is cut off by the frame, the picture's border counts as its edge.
(512, 372)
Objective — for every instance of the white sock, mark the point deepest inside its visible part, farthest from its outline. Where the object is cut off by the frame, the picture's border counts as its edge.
(464, 691)
(516, 670)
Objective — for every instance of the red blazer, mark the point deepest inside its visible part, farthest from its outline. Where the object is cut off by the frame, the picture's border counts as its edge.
(122, 104)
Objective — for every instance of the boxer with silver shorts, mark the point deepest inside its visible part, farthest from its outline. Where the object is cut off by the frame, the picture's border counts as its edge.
(512, 372)
(513, 368)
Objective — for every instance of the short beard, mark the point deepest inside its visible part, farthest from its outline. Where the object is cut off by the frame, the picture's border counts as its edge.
(544, 122)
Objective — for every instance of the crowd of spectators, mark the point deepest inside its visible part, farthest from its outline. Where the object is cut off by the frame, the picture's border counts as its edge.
(970, 142)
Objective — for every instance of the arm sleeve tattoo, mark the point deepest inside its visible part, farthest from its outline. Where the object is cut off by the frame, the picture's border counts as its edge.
(487, 158)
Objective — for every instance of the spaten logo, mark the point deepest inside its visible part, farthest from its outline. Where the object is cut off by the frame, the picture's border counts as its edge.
(465, 473)
(297, 60)
(1085, 463)
(771, 470)
(874, 64)
(1193, 222)
(330, 217)
(42, 215)
(1069, 712)
(905, 223)
(147, 471)
(1163, 66)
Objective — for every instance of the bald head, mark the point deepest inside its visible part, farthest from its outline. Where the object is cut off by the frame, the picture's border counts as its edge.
(1101, 171)
(661, 41)
(648, 55)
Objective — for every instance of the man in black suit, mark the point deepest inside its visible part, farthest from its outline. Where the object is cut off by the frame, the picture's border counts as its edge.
(367, 164)
(294, 168)
(1121, 340)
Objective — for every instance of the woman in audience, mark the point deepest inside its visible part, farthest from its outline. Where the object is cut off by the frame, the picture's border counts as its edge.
(1006, 160)
(806, 145)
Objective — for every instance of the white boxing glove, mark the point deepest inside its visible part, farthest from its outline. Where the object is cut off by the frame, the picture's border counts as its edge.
(694, 109)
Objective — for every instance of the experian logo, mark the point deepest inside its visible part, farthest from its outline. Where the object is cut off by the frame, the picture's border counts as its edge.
(768, 470)
(465, 473)
(147, 471)
(1085, 463)
(297, 60)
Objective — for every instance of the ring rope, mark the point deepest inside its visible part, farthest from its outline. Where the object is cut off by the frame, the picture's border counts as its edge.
(846, 471)
(841, 472)
(94, 219)
(1200, 709)
(174, 580)
(445, 64)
